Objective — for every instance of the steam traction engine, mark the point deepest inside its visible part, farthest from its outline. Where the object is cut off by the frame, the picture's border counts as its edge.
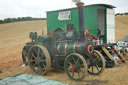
(64, 50)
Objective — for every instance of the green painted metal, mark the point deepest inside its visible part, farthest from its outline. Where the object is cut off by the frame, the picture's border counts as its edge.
(65, 48)
(105, 26)
(90, 19)
(70, 48)
(53, 22)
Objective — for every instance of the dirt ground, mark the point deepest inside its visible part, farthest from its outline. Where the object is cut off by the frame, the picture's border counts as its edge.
(110, 76)
(14, 35)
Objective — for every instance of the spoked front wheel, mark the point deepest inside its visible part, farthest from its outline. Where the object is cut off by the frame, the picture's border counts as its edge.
(97, 63)
(75, 66)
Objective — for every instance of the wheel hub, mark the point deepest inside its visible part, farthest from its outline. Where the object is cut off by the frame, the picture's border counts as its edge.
(73, 67)
(93, 63)
(76, 68)
(36, 60)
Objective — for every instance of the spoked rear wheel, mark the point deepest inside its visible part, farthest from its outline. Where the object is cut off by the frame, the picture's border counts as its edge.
(39, 59)
(75, 66)
(97, 64)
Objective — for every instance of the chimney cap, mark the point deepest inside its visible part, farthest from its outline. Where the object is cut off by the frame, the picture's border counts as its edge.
(80, 4)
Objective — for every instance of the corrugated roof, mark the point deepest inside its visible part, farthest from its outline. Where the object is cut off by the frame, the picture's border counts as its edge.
(106, 5)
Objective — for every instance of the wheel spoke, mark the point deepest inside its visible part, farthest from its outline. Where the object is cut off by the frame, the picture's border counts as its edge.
(98, 63)
(43, 61)
(35, 64)
(97, 68)
(44, 67)
(70, 68)
(81, 71)
(35, 50)
(97, 59)
(73, 59)
(92, 69)
(38, 65)
(33, 56)
(95, 54)
(77, 60)
(78, 74)
(38, 52)
(39, 68)
(70, 63)
(73, 73)
(32, 60)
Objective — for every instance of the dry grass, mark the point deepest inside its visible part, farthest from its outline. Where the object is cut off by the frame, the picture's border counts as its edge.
(14, 35)
(121, 26)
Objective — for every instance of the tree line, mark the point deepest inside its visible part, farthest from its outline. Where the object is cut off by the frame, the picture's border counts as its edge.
(122, 14)
(8, 20)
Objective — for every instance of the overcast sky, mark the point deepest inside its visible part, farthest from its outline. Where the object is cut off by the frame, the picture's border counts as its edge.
(38, 8)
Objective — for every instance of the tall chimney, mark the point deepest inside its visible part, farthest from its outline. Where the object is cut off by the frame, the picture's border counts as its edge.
(80, 6)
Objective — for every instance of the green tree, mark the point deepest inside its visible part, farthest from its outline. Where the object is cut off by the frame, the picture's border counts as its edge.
(1, 22)
(126, 13)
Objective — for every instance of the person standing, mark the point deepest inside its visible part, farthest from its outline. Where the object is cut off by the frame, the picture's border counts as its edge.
(89, 36)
